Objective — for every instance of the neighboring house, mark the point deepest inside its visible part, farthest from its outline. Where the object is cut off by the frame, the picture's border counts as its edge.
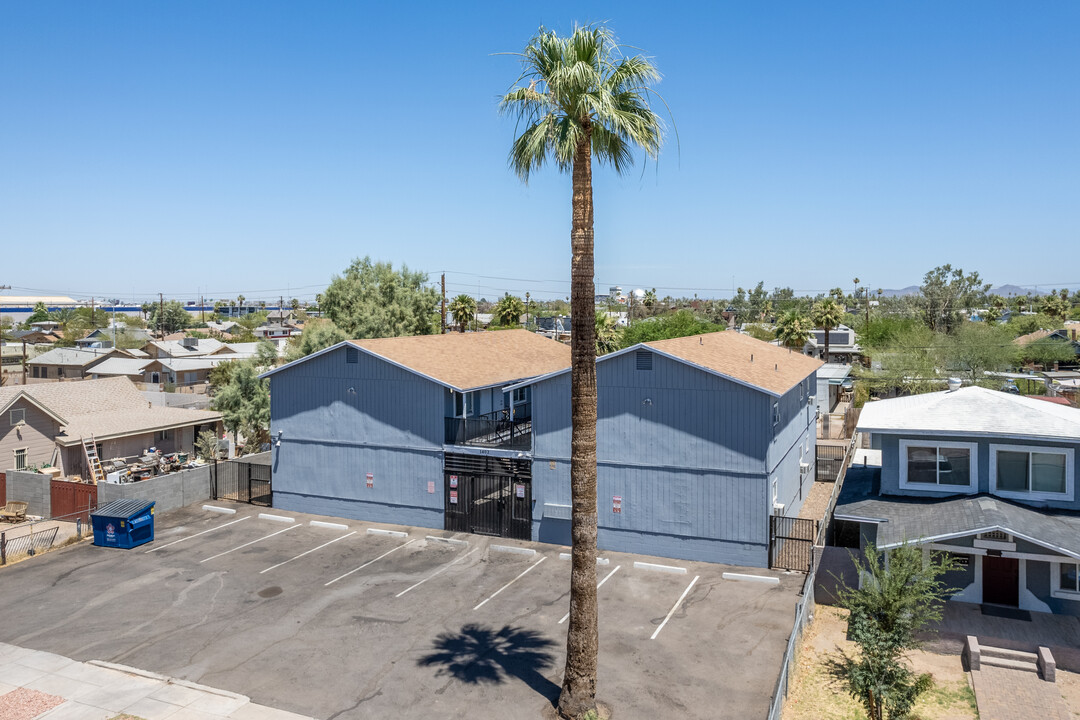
(103, 337)
(276, 333)
(225, 328)
(281, 317)
(68, 363)
(131, 368)
(1065, 336)
(843, 347)
(832, 380)
(186, 347)
(553, 327)
(985, 475)
(48, 326)
(35, 337)
(46, 424)
(700, 439)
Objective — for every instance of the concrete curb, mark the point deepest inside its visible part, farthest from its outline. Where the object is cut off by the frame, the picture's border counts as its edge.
(599, 560)
(659, 568)
(512, 549)
(751, 578)
(328, 525)
(128, 670)
(276, 518)
(223, 511)
(390, 533)
(448, 541)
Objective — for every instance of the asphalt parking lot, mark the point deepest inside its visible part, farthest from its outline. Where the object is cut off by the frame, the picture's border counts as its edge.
(356, 620)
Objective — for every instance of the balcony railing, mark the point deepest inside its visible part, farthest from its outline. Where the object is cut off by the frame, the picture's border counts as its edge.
(496, 429)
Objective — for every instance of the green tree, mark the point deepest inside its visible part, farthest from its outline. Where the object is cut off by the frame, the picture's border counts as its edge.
(681, 323)
(907, 360)
(40, 314)
(373, 300)
(318, 334)
(584, 98)
(945, 293)
(607, 334)
(1056, 307)
(1047, 351)
(827, 314)
(895, 601)
(244, 404)
(508, 310)
(649, 301)
(760, 331)
(975, 349)
(176, 317)
(793, 329)
(463, 310)
(206, 446)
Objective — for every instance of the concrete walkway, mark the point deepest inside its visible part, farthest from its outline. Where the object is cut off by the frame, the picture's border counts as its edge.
(99, 691)
(1004, 694)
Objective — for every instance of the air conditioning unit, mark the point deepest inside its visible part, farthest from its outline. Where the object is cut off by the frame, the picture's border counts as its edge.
(778, 508)
(811, 399)
(804, 468)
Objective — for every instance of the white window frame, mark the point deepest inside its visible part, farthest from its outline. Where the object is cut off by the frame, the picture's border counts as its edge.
(1029, 494)
(17, 416)
(26, 457)
(973, 483)
(1055, 582)
(776, 413)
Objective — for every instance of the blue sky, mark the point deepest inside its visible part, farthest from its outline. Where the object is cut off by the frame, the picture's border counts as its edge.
(257, 147)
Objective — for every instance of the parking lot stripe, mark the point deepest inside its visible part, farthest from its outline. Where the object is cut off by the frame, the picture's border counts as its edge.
(231, 522)
(306, 553)
(523, 573)
(241, 547)
(567, 615)
(675, 606)
(444, 568)
(368, 563)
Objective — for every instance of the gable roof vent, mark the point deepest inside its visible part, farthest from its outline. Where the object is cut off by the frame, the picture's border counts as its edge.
(643, 360)
(352, 355)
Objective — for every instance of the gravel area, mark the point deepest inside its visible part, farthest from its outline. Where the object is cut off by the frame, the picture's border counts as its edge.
(24, 704)
(817, 501)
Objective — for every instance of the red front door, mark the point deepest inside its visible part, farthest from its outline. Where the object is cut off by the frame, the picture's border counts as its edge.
(1001, 580)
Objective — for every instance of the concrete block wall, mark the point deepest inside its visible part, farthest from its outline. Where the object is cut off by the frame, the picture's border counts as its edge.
(168, 491)
(32, 488)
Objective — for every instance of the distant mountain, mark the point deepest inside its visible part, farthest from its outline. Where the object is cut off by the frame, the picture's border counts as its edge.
(1003, 290)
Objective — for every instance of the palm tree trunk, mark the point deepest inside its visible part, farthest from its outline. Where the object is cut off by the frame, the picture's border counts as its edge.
(582, 640)
(827, 329)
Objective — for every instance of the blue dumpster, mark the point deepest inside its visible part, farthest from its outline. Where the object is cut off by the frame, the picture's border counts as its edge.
(123, 523)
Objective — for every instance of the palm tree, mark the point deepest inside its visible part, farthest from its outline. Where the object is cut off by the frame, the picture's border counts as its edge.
(509, 309)
(793, 329)
(462, 308)
(827, 314)
(607, 334)
(583, 97)
(650, 299)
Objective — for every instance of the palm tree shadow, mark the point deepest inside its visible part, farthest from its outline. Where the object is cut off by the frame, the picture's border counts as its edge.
(478, 655)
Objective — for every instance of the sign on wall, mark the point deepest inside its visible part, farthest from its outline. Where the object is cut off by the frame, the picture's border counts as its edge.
(371, 480)
(453, 481)
(519, 490)
(453, 497)
(616, 504)
(431, 487)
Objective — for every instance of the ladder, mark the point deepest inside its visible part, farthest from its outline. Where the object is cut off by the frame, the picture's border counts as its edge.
(93, 462)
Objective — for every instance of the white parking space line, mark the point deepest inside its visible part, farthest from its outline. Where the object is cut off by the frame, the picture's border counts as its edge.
(218, 527)
(241, 547)
(342, 577)
(441, 570)
(306, 553)
(567, 615)
(523, 574)
(675, 606)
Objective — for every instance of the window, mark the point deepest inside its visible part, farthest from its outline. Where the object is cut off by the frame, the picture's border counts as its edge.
(352, 355)
(34, 372)
(20, 459)
(938, 466)
(521, 395)
(776, 413)
(459, 405)
(164, 435)
(1031, 472)
(1065, 580)
(18, 416)
(59, 372)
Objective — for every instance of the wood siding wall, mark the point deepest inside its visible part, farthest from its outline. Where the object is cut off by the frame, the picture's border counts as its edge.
(36, 436)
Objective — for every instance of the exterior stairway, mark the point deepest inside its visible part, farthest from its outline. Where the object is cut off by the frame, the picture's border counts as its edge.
(1040, 663)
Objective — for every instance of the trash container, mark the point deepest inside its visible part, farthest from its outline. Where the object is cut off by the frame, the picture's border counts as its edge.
(123, 523)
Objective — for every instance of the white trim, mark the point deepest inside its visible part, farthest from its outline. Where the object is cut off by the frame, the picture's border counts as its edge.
(973, 473)
(1031, 495)
(1055, 582)
(15, 458)
(964, 533)
(980, 435)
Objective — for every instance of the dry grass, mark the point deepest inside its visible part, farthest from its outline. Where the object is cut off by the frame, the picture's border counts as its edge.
(816, 695)
(73, 540)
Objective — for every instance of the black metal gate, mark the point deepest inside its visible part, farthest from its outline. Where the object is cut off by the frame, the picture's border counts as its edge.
(791, 543)
(488, 496)
(241, 481)
(829, 460)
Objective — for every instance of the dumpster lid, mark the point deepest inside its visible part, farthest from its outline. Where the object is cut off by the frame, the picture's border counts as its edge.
(122, 508)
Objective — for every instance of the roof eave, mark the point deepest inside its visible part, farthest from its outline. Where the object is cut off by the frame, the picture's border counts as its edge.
(69, 442)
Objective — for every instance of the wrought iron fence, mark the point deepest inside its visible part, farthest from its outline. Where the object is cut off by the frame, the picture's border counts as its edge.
(495, 429)
(30, 543)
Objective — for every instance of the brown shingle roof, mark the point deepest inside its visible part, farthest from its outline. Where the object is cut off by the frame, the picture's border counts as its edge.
(473, 360)
(742, 358)
(1033, 336)
(107, 408)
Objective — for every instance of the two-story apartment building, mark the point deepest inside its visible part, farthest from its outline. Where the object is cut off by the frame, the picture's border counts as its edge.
(985, 475)
(699, 439)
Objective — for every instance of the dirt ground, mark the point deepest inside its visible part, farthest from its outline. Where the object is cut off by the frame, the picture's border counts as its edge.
(815, 695)
(817, 501)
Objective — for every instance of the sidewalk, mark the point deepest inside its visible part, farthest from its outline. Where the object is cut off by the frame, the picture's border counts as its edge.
(35, 684)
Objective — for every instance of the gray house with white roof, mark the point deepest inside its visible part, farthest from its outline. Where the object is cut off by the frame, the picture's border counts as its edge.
(985, 475)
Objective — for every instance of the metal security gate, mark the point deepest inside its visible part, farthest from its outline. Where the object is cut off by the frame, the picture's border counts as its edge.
(791, 543)
(488, 496)
(829, 460)
(242, 481)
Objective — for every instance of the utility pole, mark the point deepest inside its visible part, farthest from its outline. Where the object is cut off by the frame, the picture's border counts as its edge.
(442, 313)
(527, 302)
(867, 291)
(202, 308)
(24, 362)
(161, 315)
(91, 312)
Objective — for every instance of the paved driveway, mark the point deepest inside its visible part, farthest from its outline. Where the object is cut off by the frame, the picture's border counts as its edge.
(348, 621)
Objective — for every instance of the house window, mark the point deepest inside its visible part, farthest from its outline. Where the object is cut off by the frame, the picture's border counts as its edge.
(1024, 471)
(459, 405)
(1065, 580)
(59, 372)
(164, 435)
(938, 466)
(35, 371)
(521, 395)
(352, 355)
(20, 459)
(776, 413)
(15, 417)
